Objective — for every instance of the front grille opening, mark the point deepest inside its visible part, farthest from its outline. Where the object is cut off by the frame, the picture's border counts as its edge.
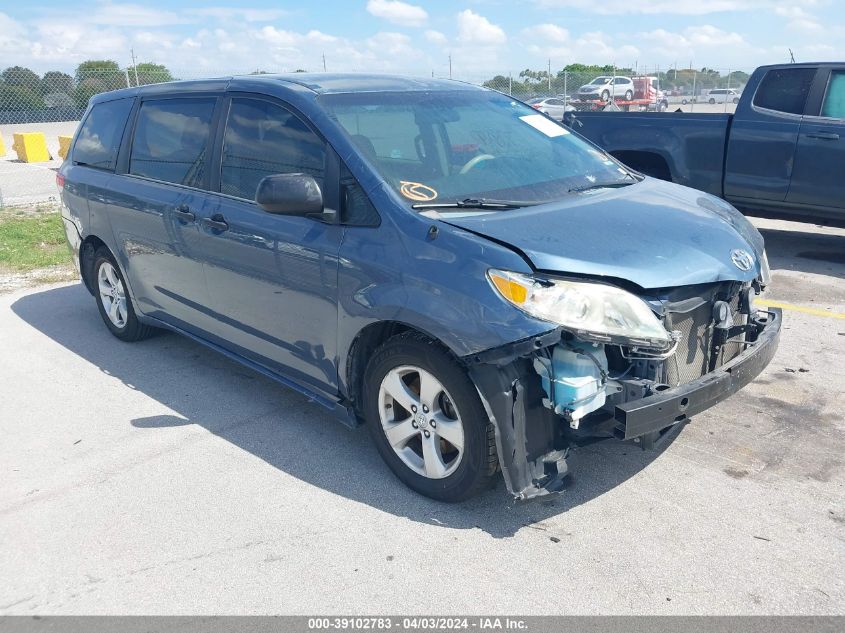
(691, 359)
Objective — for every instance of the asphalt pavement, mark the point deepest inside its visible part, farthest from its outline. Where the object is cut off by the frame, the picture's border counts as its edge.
(162, 478)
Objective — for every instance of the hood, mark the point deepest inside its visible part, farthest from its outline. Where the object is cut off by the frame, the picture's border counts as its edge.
(653, 233)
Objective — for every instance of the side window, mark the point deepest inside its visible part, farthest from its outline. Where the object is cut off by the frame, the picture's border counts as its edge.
(100, 135)
(263, 139)
(834, 101)
(171, 140)
(785, 89)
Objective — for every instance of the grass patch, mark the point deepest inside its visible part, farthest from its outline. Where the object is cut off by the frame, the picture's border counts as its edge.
(30, 241)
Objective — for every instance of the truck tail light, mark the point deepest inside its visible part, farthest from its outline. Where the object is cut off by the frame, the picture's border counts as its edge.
(60, 181)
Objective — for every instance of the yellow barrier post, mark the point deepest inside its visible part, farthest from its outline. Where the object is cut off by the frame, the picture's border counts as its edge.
(2, 147)
(31, 147)
(64, 145)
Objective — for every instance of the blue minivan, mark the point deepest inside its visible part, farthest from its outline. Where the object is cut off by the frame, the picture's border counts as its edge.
(475, 282)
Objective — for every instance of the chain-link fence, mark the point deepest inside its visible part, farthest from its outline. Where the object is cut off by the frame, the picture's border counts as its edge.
(52, 104)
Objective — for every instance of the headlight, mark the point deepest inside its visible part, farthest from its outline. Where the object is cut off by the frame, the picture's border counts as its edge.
(591, 311)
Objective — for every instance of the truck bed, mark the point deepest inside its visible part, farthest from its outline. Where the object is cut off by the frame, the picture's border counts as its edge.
(686, 148)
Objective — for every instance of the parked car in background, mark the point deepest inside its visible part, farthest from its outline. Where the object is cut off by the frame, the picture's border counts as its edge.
(555, 107)
(723, 95)
(477, 285)
(605, 87)
(782, 153)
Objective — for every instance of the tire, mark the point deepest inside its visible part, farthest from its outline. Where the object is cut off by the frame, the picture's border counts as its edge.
(629, 96)
(684, 101)
(712, 101)
(438, 469)
(736, 100)
(605, 96)
(113, 301)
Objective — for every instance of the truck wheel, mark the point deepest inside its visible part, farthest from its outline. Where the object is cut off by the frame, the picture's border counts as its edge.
(427, 421)
(629, 96)
(113, 300)
(712, 101)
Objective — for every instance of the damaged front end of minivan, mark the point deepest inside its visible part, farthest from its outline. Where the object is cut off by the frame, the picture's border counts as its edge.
(626, 366)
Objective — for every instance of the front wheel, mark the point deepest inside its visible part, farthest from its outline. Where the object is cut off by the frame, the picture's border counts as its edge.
(605, 96)
(712, 101)
(427, 421)
(736, 100)
(113, 300)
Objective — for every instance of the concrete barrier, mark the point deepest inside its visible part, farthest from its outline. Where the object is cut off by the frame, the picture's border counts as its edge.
(31, 147)
(64, 145)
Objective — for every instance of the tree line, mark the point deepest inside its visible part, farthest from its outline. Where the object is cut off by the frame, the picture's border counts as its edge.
(23, 89)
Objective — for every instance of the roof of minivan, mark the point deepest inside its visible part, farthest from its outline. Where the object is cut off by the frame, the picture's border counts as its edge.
(325, 83)
(309, 83)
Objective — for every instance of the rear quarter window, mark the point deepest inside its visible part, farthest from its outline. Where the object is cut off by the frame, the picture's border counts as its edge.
(785, 89)
(99, 137)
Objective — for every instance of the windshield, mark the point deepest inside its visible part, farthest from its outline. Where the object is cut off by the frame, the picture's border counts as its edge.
(454, 145)
(598, 81)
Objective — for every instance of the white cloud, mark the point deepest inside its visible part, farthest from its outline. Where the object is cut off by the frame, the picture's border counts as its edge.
(393, 45)
(548, 32)
(238, 13)
(398, 12)
(683, 7)
(436, 37)
(799, 20)
(474, 28)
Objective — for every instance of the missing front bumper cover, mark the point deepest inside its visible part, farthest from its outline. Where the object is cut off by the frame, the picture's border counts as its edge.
(531, 440)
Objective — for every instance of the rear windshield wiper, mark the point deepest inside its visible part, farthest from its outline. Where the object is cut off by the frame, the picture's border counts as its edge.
(475, 203)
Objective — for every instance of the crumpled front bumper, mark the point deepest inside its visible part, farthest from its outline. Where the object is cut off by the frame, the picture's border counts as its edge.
(531, 440)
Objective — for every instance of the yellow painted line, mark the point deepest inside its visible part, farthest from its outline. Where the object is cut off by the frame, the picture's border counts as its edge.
(804, 309)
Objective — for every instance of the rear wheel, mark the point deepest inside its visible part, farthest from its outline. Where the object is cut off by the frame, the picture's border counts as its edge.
(113, 300)
(427, 421)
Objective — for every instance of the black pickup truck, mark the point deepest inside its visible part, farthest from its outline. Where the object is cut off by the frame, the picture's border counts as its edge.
(781, 154)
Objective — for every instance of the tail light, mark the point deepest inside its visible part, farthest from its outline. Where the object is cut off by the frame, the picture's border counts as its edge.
(60, 181)
(536, 106)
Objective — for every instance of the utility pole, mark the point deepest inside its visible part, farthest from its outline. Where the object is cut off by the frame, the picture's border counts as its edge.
(324, 62)
(550, 75)
(134, 65)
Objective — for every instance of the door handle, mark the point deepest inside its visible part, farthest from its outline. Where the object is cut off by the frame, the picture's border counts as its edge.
(826, 136)
(216, 222)
(184, 213)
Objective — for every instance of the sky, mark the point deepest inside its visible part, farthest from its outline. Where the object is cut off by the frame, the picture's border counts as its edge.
(482, 37)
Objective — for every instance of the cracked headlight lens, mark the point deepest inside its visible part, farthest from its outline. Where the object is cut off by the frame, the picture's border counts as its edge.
(591, 311)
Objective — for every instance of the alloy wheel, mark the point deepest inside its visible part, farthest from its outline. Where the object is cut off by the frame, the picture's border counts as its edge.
(421, 422)
(112, 295)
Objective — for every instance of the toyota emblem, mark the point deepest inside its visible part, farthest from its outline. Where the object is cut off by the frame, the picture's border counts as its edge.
(742, 259)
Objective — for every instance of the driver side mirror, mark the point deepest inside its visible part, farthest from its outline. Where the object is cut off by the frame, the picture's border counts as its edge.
(290, 194)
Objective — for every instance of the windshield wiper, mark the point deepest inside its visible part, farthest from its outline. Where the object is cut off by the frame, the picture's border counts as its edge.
(601, 185)
(475, 203)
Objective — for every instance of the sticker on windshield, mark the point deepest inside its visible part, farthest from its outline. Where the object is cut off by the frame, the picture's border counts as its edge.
(417, 191)
(544, 124)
